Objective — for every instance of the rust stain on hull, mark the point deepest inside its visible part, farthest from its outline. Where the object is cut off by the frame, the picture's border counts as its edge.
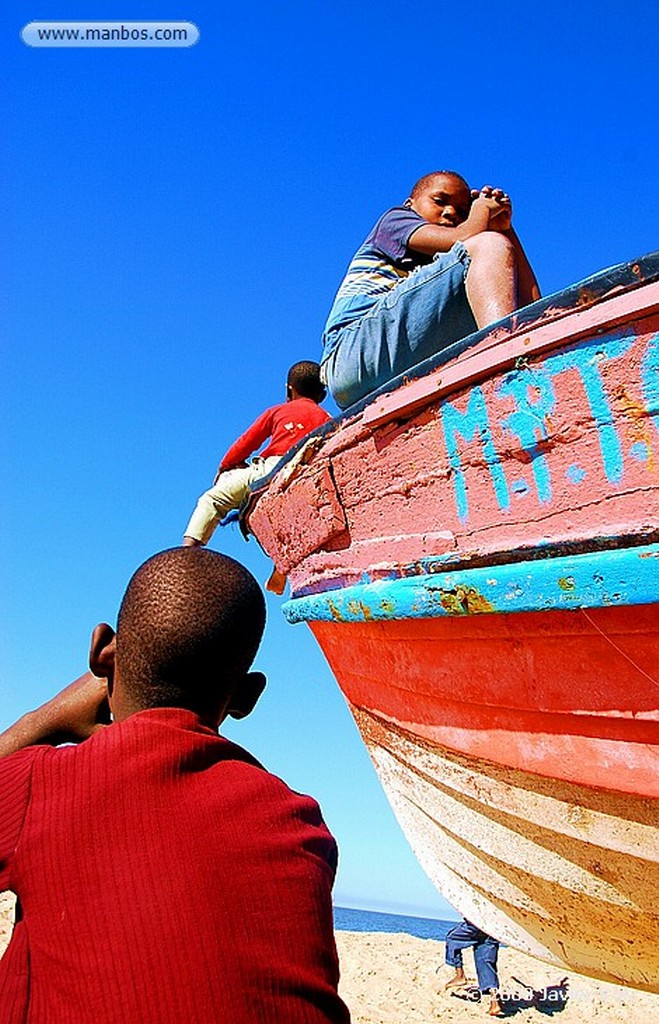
(463, 601)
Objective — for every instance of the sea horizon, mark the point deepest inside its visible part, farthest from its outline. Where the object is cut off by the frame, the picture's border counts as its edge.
(353, 919)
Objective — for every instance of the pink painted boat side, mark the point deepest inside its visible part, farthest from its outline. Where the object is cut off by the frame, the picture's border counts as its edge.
(406, 488)
(475, 550)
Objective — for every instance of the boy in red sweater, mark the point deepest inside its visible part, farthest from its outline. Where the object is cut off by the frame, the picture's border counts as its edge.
(285, 425)
(162, 875)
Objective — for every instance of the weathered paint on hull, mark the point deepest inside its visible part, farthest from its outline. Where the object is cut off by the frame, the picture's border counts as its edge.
(519, 752)
(553, 445)
(564, 872)
(475, 549)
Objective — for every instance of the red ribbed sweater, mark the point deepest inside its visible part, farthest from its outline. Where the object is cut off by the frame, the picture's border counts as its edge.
(163, 877)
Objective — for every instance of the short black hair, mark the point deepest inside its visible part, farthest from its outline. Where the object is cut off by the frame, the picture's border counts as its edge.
(305, 378)
(427, 178)
(189, 627)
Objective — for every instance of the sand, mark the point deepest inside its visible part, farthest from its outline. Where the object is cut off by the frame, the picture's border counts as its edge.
(393, 979)
(6, 917)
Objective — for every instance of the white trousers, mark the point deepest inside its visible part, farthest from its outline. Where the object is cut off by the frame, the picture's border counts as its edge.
(228, 493)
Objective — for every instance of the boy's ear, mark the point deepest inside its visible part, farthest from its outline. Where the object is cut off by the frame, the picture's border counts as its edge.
(102, 651)
(246, 694)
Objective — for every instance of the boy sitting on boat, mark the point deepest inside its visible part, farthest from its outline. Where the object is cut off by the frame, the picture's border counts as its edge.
(285, 425)
(434, 270)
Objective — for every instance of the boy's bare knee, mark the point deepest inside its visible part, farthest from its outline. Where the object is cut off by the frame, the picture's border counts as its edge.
(490, 245)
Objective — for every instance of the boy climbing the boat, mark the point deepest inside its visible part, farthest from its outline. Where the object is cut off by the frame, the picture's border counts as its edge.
(284, 425)
(441, 266)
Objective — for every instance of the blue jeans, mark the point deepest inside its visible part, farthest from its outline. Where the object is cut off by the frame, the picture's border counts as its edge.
(415, 320)
(486, 952)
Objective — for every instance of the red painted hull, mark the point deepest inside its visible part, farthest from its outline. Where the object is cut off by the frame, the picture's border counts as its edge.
(569, 696)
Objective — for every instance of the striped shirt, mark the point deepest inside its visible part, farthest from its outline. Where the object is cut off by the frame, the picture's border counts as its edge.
(380, 263)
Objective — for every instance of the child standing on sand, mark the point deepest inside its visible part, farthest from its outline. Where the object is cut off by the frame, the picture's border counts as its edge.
(486, 955)
(285, 425)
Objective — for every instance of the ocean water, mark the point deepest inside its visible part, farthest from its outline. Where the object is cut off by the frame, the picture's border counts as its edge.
(348, 920)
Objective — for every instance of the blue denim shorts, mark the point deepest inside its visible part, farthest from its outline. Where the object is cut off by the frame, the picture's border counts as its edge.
(415, 320)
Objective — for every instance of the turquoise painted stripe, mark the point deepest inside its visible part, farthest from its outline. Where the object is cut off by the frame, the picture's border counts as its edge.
(592, 580)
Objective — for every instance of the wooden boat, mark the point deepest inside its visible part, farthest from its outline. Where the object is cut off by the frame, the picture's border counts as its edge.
(476, 550)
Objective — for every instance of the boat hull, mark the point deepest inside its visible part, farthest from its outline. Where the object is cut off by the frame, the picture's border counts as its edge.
(561, 871)
(543, 442)
(524, 690)
(526, 789)
(475, 549)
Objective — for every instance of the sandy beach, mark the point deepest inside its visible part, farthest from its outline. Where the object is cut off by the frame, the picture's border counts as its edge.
(393, 979)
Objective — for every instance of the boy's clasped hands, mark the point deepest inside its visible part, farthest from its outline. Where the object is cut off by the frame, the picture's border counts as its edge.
(498, 203)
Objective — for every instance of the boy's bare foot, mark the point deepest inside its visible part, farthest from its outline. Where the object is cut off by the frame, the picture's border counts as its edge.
(191, 542)
(495, 1009)
(457, 981)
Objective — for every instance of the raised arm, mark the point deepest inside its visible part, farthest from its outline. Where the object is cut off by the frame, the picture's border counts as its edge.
(71, 716)
(451, 219)
(432, 238)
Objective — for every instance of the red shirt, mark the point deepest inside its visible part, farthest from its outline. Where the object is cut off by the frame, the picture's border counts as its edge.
(284, 424)
(164, 877)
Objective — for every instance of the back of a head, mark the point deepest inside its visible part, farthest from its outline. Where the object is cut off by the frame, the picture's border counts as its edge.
(189, 626)
(304, 377)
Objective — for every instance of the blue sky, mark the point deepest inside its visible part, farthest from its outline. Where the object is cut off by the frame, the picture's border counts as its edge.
(176, 222)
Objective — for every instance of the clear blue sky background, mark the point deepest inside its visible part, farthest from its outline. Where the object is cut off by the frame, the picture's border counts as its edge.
(176, 222)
